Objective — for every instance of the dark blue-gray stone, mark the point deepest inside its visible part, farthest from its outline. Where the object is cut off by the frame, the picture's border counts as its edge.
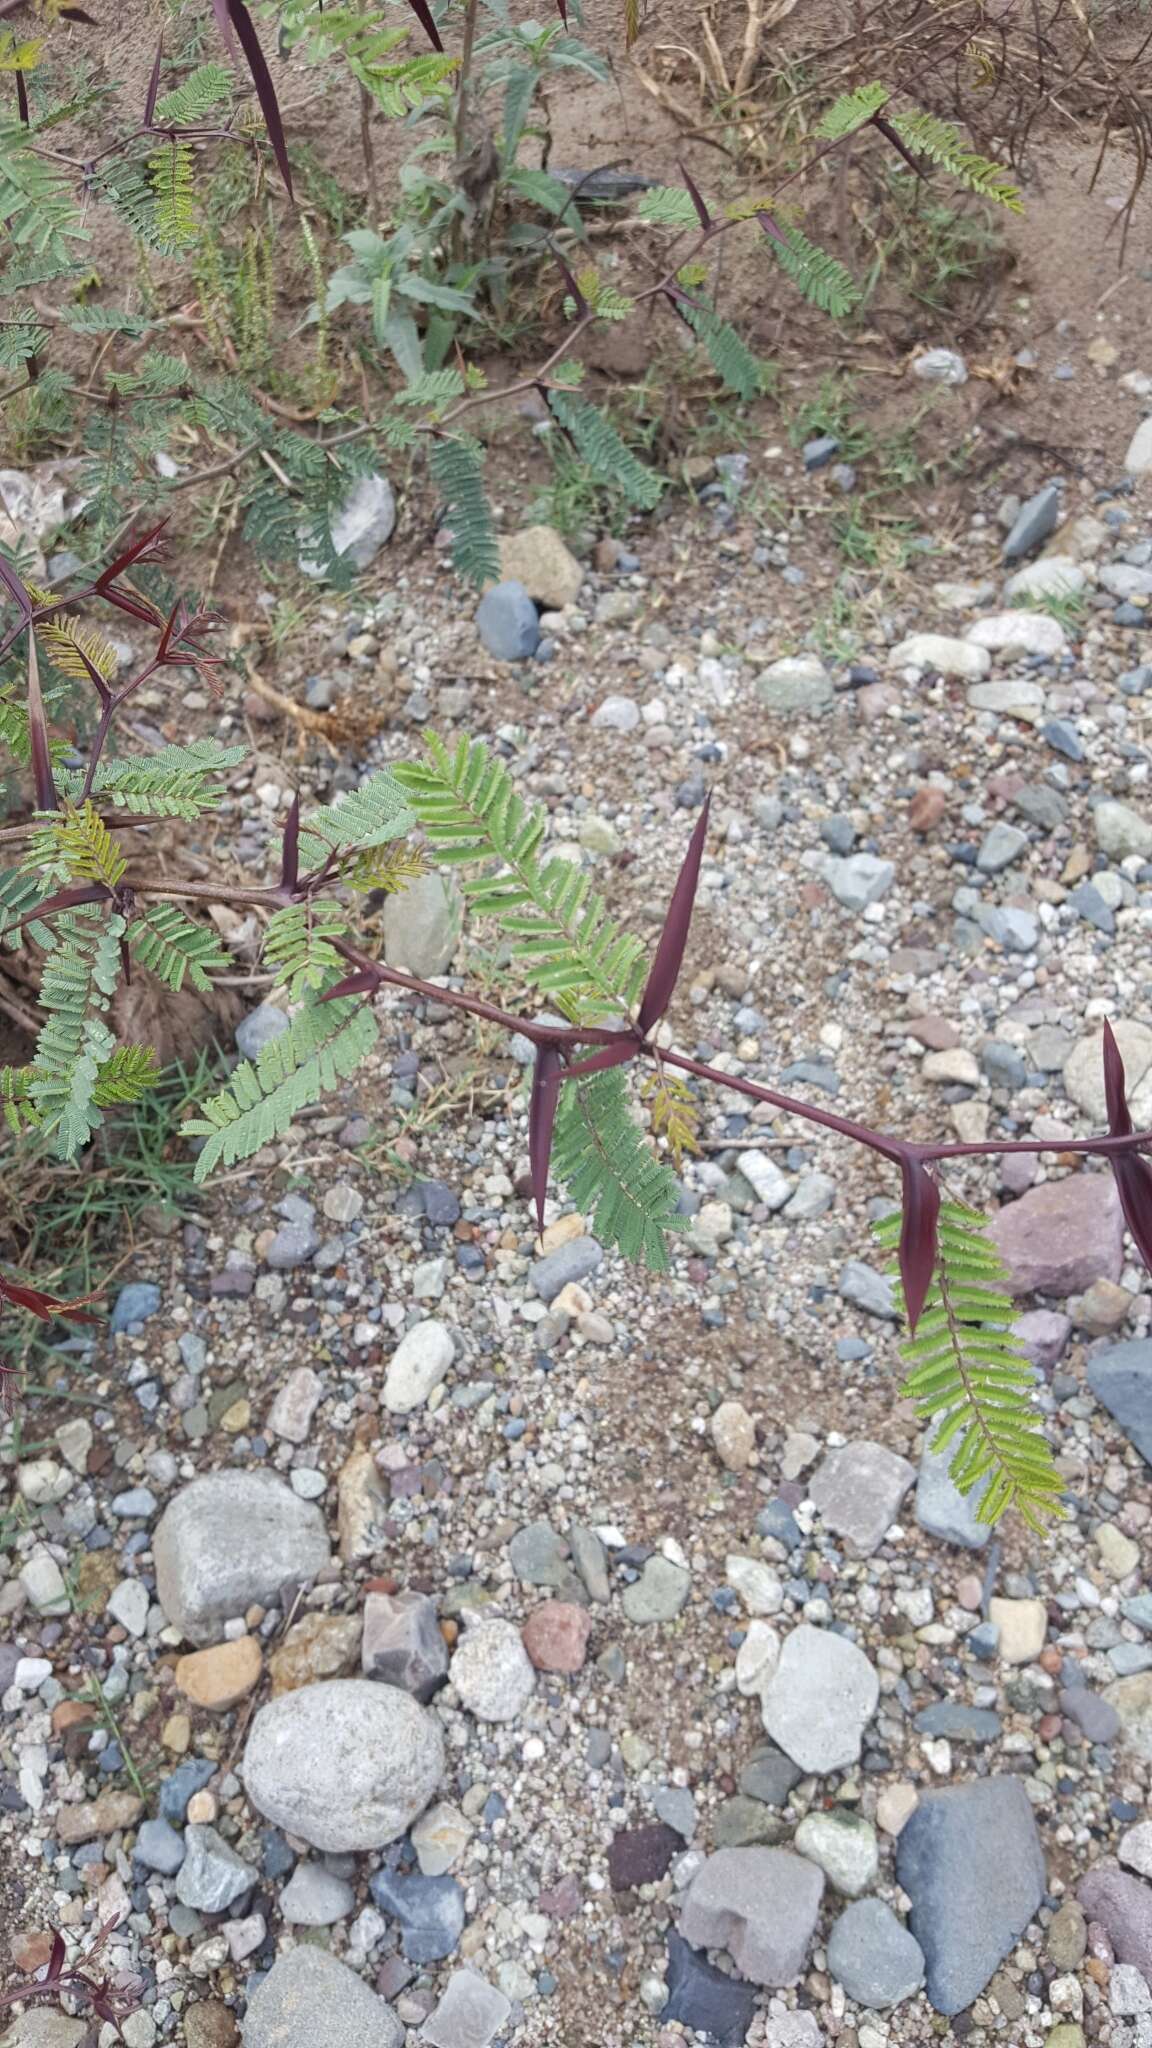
(508, 623)
(1089, 904)
(186, 1779)
(703, 1999)
(818, 453)
(1121, 1378)
(958, 1723)
(970, 1860)
(159, 1847)
(430, 1911)
(134, 1304)
(1033, 523)
(778, 1521)
(872, 1954)
(1063, 737)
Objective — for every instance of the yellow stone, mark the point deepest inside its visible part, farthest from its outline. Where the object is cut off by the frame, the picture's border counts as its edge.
(237, 1417)
(562, 1231)
(218, 1677)
(176, 1733)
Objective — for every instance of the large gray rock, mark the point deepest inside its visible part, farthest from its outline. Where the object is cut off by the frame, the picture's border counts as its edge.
(941, 1508)
(344, 1764)
(229, 1541)
(1121, 1378)
(491, 1670)
(872, 1954)
(422, 925)
(1061, 1236)
(309, 2000)
(1121, 831)
(759, 1904)
(40, 2027)
(820, 1699)
(858, 1491)
(970, 1860)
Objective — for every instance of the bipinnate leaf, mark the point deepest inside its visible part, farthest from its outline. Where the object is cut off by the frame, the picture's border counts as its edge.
(665, 968)
(917, 1253)
(1132, 1174)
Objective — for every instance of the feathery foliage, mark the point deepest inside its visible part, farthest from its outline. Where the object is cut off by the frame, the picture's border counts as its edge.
(175, 782)
(174, 188)
(205, 89)
(76, 649)
(851, 111)
(668, 206)
(730, 356)
(37, 205)
(323, 1045)
(371, 815)
(942, 144)
(969, 1375)
(598, 1151)
(126, 1076)
(79, 978)
(561, 935)
(604, 452)
(79, 845)
(171, 944)
(20, 892)
(298, 946)
(822, 279)
(457, 470)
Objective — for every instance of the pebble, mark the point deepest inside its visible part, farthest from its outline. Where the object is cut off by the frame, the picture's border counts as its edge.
(491, 1671)
(946, 656)
(761, 1905)
(556, 1636)
(1061, 1236)
(859, 880)
(345, 1764)
(706, 2000)
(820, 1699)
(211, 1876)
(733, 1433)
(508, 622)
(314, 1897)
(402, 1643)
(1120, 1376)
(659, 1594)
(229, 1541)
(308, 1997)
(315, 1647)
(1123, 1906)
(1023, 1626)
(874, 1957)
(291, 1413)
(470, 2014)
(796, 683)
(417, 1366)
(858, 1491)
(845, 1847)
(218, 1678)
(430, 1911)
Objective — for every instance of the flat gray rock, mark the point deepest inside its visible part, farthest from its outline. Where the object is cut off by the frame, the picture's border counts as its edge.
(941, 1508)
(858, 1491)
(970, 1860)
(1121, 1378)
(820, 1699)
(230, 1541)
(212, 1876)
(470, 2014)
(309, 2000)
(759, 1904)
(345, 1764)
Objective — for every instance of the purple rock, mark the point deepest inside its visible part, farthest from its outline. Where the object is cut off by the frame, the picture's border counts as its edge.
(402, 1644)
(1092, 1715)
(1123, 1906)
(641, 1855)
(1044, 1334)
(1060, 1237)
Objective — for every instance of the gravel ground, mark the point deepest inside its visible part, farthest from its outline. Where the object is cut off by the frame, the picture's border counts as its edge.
(496, 1644)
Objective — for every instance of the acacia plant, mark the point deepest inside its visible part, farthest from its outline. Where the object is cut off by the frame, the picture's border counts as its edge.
(474, 216)
(84, 897)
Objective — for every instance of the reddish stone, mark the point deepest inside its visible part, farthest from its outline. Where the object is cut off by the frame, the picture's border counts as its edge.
(873, 701)
(937, 1033)
(29, 1952)
(563, 1900)
(1061, 1236)
(641, 1855)
(556, 1636)
(927, 808)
